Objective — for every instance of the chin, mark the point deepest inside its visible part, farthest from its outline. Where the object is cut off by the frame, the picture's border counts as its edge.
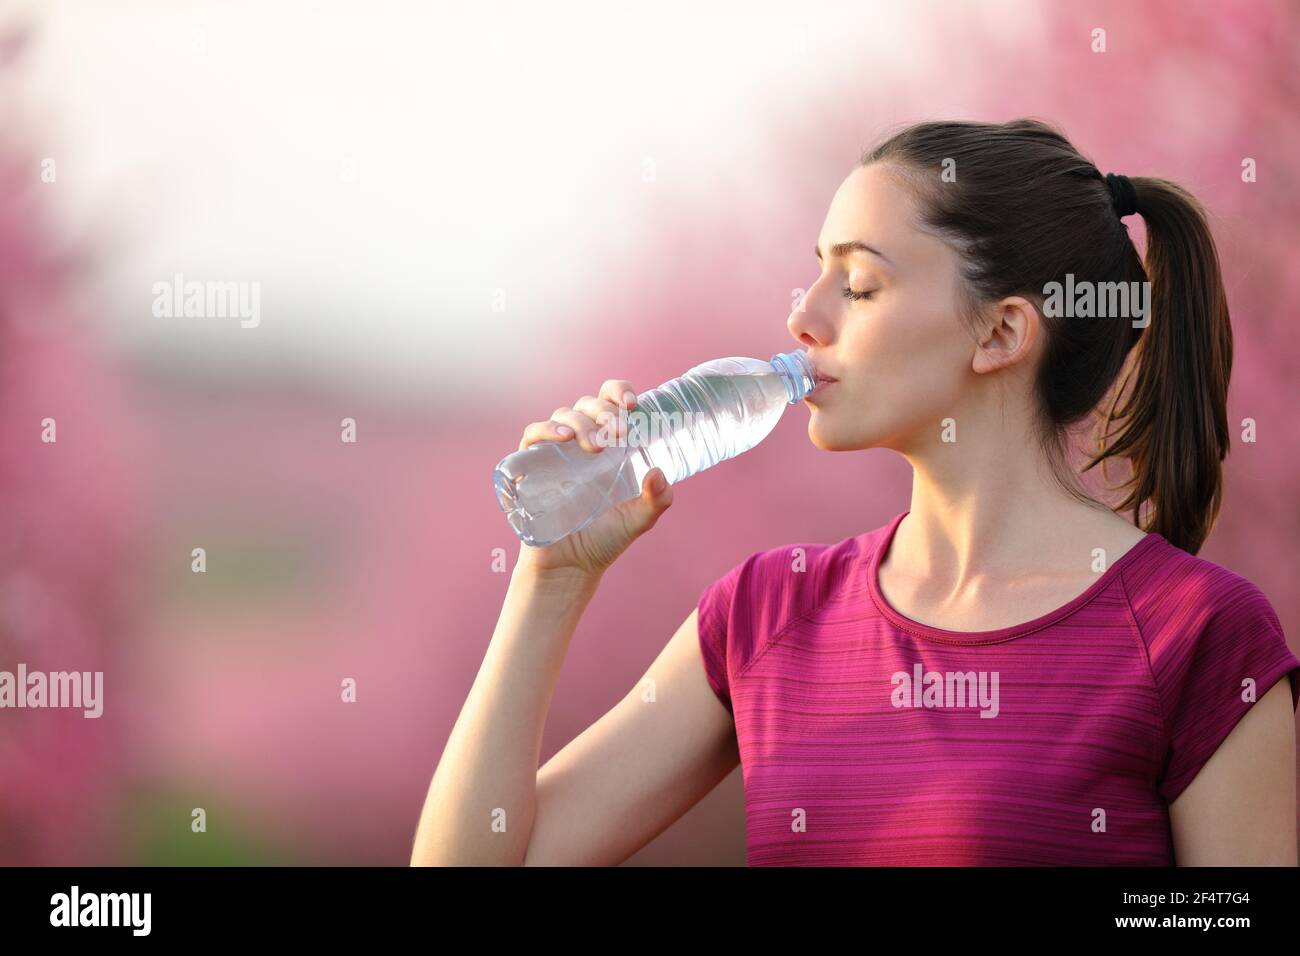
(824, 433)
(828, 439)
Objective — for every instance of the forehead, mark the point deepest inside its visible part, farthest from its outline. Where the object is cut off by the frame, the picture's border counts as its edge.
(874, 206)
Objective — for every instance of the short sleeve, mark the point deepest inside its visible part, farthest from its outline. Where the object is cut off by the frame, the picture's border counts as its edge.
(715, 613)
(1209, 675)
(749, 605)
(742, 609)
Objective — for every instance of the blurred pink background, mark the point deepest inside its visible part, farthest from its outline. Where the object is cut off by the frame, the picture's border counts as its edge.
(457, 225)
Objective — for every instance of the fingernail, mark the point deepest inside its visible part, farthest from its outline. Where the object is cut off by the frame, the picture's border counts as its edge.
(564, 430)
(629, 397)
(657, 482)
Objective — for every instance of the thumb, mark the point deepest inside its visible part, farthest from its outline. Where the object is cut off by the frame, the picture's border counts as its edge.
(656, 496)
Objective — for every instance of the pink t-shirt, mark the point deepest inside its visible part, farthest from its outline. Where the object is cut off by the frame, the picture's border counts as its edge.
(869, 739)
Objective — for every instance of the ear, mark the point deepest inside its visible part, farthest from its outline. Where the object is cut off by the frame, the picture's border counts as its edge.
(1009, 335)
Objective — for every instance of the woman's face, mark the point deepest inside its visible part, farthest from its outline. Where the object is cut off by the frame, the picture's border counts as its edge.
(899, 353)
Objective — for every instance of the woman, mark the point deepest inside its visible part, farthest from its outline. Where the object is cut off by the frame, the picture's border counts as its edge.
(1007, 673)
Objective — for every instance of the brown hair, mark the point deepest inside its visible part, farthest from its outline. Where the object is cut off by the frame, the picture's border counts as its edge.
(1025, 209)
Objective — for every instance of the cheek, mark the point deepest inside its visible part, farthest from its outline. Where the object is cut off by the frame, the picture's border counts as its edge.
(906, 365)
(905, 341)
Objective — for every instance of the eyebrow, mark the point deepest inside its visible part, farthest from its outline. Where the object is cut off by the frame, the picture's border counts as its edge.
(844, 248)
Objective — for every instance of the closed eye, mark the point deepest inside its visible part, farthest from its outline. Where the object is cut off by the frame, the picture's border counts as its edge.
(851, 294)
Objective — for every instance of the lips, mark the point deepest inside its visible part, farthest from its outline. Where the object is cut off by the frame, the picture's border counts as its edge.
(820, 377)
(821, 381)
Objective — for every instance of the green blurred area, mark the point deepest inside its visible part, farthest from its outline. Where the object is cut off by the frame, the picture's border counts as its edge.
(156, 830)
(245, 563)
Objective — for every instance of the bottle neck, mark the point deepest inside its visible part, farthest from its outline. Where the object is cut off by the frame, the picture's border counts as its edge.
(796, 373)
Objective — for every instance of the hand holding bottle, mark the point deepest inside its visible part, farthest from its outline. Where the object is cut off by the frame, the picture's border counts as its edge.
(590, 423)
(713, 412)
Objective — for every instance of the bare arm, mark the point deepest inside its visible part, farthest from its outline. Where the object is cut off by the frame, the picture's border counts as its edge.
(610, 791)
(636, 770)
(480, 803)
(1240, 809)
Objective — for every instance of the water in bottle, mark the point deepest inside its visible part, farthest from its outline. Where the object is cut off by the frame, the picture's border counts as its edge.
(713, 412)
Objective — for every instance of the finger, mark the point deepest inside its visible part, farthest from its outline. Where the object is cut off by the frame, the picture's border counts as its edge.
(583, 428)
(544, 431)
(611, 418)
(656, 497)
(619, 391)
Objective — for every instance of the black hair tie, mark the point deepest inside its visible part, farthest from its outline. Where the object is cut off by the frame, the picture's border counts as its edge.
(1122, 195)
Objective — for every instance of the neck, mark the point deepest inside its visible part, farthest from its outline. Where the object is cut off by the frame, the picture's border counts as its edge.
(987, 505)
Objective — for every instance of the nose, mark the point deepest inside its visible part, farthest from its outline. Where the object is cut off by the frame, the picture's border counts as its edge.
(807, 323)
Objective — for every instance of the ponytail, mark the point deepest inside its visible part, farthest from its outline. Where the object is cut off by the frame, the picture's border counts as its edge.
(1175, 419)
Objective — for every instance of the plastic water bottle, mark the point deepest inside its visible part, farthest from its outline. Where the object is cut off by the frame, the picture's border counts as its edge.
(713, 412)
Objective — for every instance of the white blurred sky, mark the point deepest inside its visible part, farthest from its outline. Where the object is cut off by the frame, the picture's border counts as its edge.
(380, 168)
